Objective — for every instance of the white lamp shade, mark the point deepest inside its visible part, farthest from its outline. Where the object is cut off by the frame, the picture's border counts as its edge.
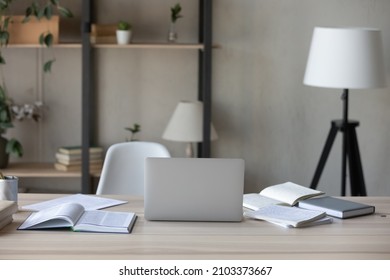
(347, 58)
(186, 123)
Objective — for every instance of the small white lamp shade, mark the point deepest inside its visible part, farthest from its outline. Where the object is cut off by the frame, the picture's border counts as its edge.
(346, 58)
(186, 123)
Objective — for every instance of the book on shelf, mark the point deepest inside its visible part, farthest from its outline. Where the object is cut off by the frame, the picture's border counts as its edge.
(72, 150)
(337, 207)
(287, 216)
(76, 157)
(93, 161)
(93, 167)
(282, 194)
(74, 216)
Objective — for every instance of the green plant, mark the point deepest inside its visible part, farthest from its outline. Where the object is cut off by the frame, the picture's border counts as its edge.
(124, 25)
(133, 130)
(13, 146)
(38, 9)
(175, 12)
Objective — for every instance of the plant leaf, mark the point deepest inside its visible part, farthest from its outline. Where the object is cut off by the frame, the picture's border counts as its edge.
(2, 60)
(6, 23)
(48, 40)
(35, 8)
(27, 14)
(2, 95)
(64, 12)
(47, 65)
(40, 13)
(48, 12)
(42, 39)
(4, 4)
(14, 147)
(4, 36)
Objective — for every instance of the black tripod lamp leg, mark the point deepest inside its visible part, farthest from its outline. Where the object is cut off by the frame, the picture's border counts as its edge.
(355, 166)
(324, 156)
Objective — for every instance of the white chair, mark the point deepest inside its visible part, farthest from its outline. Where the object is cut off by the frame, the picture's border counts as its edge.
(123, 168)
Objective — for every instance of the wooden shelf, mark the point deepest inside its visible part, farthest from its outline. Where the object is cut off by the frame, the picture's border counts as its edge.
(40, 170)
(37, 46)
(151, 46)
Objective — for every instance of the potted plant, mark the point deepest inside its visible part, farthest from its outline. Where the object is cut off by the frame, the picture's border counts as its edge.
(123, 32)
(175, 15)
(34, 9)
(133, 130)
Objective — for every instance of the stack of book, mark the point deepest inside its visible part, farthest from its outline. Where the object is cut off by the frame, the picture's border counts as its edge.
(7, 209)
(69, 158)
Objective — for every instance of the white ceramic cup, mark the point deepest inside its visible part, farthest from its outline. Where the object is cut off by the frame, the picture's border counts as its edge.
(9, 188)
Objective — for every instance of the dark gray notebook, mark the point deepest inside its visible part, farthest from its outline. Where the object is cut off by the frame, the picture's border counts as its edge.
(337, 207)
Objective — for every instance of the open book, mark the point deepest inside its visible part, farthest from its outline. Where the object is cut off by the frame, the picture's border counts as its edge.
(90, 202)
(289, 216)
(75, 216)
(283, 194)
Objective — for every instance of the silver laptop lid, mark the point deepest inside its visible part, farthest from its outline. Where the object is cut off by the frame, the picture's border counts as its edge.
(194, 189)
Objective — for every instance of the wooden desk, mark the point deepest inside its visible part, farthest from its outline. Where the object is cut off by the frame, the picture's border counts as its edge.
(365, 237)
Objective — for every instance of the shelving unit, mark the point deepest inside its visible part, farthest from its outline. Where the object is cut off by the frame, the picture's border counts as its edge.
(33, 169)
(204, 47)
(40, 170)
(151, 46)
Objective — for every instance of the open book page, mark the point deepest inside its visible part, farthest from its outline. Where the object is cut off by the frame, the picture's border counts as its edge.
(289, 192)
(89, 202)
(322, 221)
(105, 221)
(292, 216)
(255, 201)
(63, 215)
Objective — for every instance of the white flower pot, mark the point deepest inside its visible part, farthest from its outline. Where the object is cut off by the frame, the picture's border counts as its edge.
(9, 188)
(123, 37)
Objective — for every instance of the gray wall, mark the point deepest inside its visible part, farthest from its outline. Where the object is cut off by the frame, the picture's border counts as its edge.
(261, 109)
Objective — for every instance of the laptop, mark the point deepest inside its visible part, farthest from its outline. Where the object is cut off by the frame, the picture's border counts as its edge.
(194, 189)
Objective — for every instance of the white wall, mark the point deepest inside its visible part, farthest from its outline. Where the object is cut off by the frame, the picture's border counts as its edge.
(261, 109)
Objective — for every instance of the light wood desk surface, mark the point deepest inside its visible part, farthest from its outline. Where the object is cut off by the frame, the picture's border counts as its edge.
(366, 237)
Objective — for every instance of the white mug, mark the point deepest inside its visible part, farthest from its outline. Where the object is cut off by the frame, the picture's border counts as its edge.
(9, 188)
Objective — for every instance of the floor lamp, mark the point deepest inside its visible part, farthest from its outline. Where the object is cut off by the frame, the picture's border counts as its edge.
(345, 58)
(186, 125)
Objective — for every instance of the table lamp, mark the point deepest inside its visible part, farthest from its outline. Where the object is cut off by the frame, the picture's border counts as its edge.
(345, 58)
(186, 125)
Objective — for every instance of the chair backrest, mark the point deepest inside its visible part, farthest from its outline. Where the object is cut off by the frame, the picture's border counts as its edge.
(123, 168)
